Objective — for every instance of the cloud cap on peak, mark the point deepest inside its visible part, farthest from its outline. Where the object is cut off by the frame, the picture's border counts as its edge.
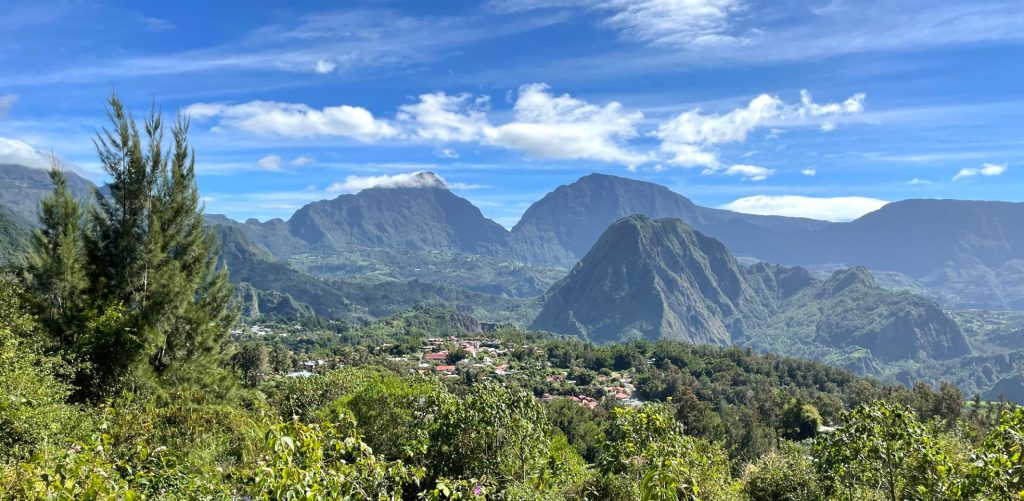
(422, 179)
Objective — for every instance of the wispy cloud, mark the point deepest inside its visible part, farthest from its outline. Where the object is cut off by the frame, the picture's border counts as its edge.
(6, 102)
(339, 41)
(687, 138)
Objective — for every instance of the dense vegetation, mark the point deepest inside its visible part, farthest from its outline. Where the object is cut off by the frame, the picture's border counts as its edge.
(120, 379)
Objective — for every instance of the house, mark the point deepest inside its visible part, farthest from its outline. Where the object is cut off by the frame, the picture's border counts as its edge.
(436, 357)
(447, 369)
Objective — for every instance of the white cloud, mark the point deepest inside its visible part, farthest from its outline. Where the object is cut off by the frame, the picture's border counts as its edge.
(157, 25)
(824, 208)
(444, 118)
(302, 160)
(269, 118)
(810, 171)
(545, 125)
(680, 23)
(353, 184)
(986, 169)
(918, 181)
(270, 162)
(6, 102)
(14, 151)
(446, 153)
(467, 186)
(687, 137)
(564, 127)
(324, 66)
(748, 172)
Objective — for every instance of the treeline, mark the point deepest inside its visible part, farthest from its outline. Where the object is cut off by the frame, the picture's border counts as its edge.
(119, 380)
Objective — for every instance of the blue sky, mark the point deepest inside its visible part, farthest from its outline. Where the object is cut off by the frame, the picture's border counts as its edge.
(824, 108)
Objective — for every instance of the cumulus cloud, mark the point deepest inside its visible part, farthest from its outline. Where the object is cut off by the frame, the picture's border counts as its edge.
(688, 137)
(324, 66)
(270, 118)
(918, 181)
(544, 126)
(441, 117)
(301, 160)
(270, 162)
(986, 169)
(810, 171)
(14, 151)
(6, 102)
(824, 208)
(564, 127)
(748, 172)
(353, 184)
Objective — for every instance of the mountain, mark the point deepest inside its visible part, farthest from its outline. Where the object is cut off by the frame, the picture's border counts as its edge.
(662, 279)
(966, 253)
(23, 188)
(649, 279)
(562, 226)
(423, 218)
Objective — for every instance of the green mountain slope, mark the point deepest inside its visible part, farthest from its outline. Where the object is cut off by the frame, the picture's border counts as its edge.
(249, 264)
(22, 188)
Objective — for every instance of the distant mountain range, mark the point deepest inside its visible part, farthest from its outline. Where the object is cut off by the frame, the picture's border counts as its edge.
(645, 263)
(965, 253)
(660, 278)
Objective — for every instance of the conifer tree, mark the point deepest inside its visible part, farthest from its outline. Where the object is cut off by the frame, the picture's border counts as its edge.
(151, 256)
(56, 264)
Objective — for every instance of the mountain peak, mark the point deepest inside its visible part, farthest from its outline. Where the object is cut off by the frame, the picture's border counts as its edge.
(422, 179)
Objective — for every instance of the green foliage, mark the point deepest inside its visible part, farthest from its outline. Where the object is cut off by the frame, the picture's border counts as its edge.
(998, 471)
(323, 462)
(784, 475)
(396, 415)
(647, 448)
(882, 450)
(32, 408)
(492, 431)
(799, 420)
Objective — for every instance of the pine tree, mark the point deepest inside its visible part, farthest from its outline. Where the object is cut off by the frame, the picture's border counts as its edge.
(151, 256)
(56, 267)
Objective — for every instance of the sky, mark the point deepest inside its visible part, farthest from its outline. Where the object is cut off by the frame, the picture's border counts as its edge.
(820, 108)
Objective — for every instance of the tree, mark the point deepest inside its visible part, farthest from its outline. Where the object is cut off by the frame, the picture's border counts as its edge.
(493, 431)
(150, 257)
(56, 266)
(252, 360)
(783, 475)
(647, 451)
(883, 450)
(799, 420)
